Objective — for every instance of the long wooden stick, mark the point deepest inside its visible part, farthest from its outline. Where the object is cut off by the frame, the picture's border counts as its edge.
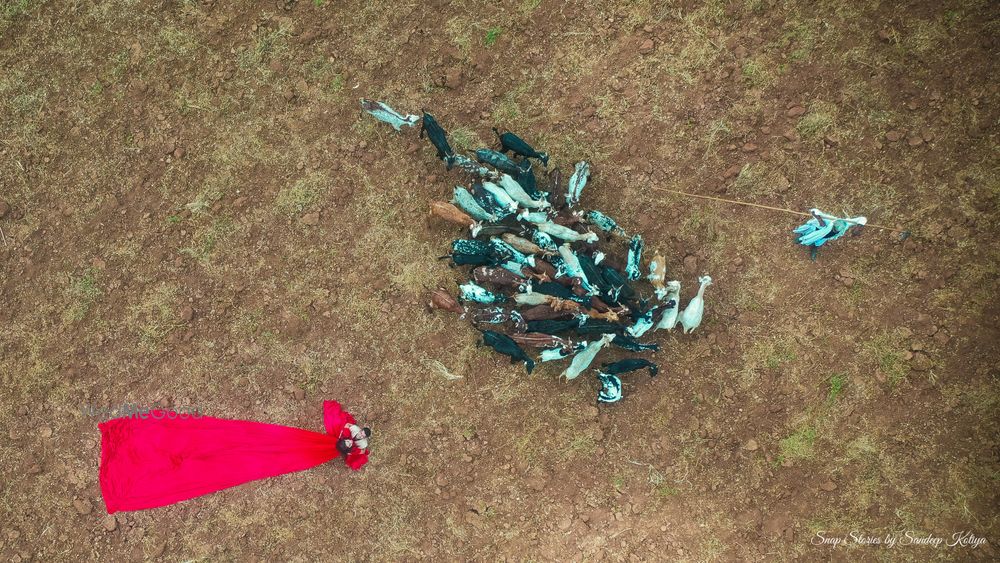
(792, 211)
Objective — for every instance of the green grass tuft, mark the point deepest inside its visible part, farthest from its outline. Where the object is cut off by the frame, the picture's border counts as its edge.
(465, 139)
(718, 130)
(799, 445)
(814, 124)
(266, 45)
(528, 6)
(13, 8)
(885, 351)
(154, 317)
(10, 10)
(492, 35)
(83, 292)
(837, 382)
(205, 240)
(301, 195)
(178, 41)
(756, 73)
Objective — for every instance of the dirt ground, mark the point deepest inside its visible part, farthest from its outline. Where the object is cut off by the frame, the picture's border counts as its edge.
(194, 212)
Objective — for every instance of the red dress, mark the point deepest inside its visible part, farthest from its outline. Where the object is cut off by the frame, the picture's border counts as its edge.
(159, 460)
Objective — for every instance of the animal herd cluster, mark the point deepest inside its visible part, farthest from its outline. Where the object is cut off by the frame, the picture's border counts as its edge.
(540, 275)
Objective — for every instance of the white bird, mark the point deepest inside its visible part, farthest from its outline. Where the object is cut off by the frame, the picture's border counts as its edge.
(565, 233)
(517, 193)
(669, 319)
(583, 359)
(691, 317)
(501, 196)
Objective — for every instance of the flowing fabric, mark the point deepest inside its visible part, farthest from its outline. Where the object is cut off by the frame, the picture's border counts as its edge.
(159, 460)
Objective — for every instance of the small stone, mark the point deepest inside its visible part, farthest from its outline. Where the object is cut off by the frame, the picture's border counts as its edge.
(45, 432)
(179, 152)
(187, 313)
(647, 47)
(474, 518)
(289, 95)
(4, 209)
(894, 135)
(536, 484)
(914, 140)
(828, 485)
(941, 337)
(565, 523)
(691, 264)
(927, 135)
(728, 393)
(109, 523)
(157, 550)
(921, 362)
(311, 219)
(751, 445)
(453, 78)
(82, 506)
(782, 184)
(749, 147)
(795, 111)
(732, 171)
(299, 394)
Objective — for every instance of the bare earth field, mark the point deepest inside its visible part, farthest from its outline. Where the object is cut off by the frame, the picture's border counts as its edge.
(194, 212)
